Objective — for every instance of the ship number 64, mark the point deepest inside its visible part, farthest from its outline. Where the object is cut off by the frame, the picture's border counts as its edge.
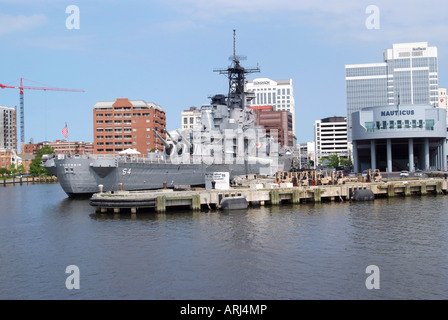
(126, 171)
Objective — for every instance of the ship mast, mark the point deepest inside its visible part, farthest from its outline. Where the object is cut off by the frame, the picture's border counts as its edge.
(236, 75)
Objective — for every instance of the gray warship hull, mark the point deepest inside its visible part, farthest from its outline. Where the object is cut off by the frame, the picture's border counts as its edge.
(82, 176)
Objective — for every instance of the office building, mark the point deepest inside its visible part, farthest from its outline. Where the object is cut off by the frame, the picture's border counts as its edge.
(190, 117)
(8, 128)
(124, 124)
(407, 75)
(281, 121)
(330, 137)
(276, 93)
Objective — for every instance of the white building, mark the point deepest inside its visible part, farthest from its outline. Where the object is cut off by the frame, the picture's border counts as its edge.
(190, 117)
(306, 151)
(330, 137)
(276, 93)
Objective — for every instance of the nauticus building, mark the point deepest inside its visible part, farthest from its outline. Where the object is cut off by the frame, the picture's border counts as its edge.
(402, 137)
(407, 75)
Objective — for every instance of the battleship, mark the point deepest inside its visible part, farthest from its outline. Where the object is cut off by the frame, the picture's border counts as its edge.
(225, 140)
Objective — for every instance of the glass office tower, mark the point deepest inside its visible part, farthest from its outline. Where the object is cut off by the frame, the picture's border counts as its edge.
(408, 75)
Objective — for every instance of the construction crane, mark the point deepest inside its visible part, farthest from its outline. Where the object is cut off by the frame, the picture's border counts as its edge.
(22, 106)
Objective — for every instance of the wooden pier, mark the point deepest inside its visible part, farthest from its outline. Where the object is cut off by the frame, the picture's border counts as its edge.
(258, 195)
(28, 180)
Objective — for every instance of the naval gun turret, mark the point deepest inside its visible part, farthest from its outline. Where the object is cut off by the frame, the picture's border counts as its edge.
(168, 147)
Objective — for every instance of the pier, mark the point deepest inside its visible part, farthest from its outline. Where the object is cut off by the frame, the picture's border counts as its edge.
(28, 180)
(258, 195)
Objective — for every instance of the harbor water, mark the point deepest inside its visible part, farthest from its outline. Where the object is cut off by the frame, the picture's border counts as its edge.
(285, 252)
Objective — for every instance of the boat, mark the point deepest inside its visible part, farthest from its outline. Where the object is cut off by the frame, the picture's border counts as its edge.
(226, 140)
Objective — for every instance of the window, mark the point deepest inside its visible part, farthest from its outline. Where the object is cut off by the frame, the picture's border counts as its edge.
(406, 123)
(414, 123)
(429, 124)
(384, 125)
(399, 124)
(391, 124)
(369, 126)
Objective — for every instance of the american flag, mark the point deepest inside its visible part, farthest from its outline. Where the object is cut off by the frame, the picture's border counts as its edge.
(65, 131)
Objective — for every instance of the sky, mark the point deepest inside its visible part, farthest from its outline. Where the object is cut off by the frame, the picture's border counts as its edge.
(164, 51)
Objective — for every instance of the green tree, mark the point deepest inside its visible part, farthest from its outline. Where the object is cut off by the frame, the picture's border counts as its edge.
(346, 161)
(4, 171)
(36, 168)
(12, 169)
(331, 161)
(21, 168)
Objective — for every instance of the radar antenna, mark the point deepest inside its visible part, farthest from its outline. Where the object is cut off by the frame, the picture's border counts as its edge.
(237, 76)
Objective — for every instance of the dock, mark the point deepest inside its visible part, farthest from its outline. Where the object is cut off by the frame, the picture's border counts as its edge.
(258, 195)
(28, 180)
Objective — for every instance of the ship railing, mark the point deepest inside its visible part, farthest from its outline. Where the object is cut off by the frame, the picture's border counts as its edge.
(156, 158)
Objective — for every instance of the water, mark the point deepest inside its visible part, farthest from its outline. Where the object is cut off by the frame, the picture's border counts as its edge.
(290, 252)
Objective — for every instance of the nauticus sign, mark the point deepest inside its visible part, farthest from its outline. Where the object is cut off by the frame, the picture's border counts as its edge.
(397, 113)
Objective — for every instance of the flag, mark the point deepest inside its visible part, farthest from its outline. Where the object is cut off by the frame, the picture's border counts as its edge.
(65, 131)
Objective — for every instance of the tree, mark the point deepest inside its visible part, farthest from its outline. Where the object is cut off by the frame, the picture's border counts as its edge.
(13, 169)
(331, 161)
(346, 161)
(21, 168)
(36, 168)
(4, 171)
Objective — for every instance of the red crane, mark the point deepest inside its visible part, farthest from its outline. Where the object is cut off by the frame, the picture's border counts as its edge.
(22, 107)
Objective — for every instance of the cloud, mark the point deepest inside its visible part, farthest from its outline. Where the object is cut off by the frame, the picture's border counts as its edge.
(339, 20)
(12, 24)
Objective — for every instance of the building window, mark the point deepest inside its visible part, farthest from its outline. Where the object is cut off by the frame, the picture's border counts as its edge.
(399, 124)
(369, 126)
(429, 124)
(406, 123)
(391, 124)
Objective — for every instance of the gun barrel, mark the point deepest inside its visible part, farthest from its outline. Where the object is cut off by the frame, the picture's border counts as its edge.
(165, 143)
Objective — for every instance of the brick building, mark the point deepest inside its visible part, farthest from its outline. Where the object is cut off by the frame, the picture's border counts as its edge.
(124, 123)
(61, 147)
(276, 120)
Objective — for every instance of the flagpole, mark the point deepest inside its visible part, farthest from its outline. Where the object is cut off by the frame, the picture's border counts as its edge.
(68, 139)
